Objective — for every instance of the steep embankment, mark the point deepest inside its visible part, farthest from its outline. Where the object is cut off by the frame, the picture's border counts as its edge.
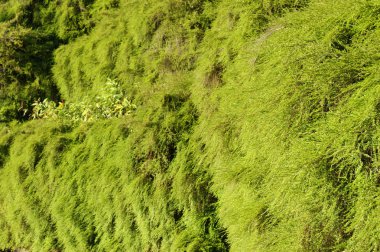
(256, 129)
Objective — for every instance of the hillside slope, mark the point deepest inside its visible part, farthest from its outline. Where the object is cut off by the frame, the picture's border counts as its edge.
(256, 128)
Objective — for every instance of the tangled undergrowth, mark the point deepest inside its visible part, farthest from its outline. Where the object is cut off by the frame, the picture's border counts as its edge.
(252, 125)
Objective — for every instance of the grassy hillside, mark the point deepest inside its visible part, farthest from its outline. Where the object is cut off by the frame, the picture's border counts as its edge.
(255, 125)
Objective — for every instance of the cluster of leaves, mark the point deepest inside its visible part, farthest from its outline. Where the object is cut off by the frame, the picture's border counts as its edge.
(110, 103)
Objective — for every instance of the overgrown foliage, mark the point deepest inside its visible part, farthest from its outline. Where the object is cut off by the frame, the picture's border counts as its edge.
(110, 103)
(256, 129)
(25, 62)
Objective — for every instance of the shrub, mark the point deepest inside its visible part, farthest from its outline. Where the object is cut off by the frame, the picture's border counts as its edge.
(110, 103)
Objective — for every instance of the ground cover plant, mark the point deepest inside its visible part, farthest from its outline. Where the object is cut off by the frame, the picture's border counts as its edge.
(190, 125)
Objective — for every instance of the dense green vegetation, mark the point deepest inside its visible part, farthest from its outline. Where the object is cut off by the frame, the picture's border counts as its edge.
(190, 125)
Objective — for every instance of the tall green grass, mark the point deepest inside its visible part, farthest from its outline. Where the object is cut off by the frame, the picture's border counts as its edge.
(111, 185)
(289, 148)
(256, 129)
